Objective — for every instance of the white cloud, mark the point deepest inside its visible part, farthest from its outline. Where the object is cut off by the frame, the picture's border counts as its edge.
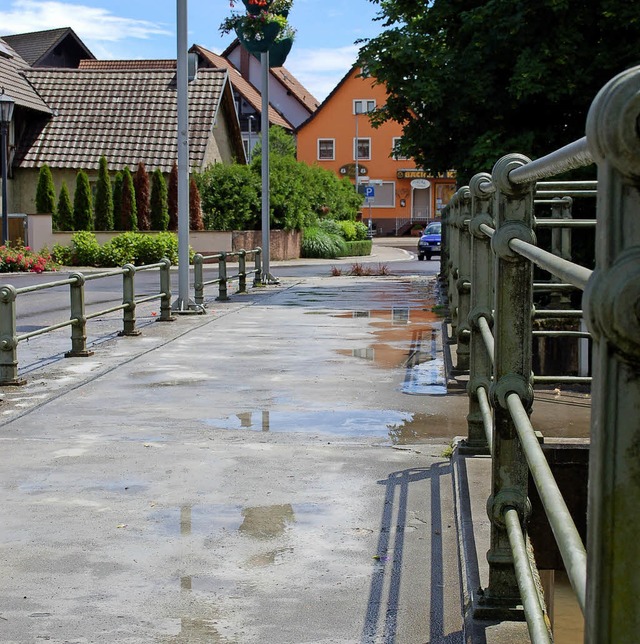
(320, 70)
(94, 25)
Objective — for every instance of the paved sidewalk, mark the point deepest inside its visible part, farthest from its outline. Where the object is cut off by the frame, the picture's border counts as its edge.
(253, 475)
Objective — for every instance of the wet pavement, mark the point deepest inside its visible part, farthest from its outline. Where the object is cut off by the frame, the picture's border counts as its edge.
(275, 471)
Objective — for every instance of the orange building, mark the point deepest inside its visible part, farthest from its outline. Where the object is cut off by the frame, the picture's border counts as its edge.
(339, 137)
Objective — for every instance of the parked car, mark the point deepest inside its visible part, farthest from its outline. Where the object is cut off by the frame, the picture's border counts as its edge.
(431, 241)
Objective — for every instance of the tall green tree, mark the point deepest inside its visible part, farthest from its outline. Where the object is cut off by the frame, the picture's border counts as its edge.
(195, 206)
(159, 210)
(117, 199)
(471, 80)
(104, 198)
(64, 213)
(172, 197)
(141, 185)
(82, 203)
(129, 212)
(45, 191)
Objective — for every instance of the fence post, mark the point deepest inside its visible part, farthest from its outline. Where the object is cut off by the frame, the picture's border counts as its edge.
(165, 289)
(464, 281)
(198, 279)
(480, 362)
(222, 276)
(452, 264)
(257, 277)
(242, 271)
(8, 337)
(512, 374)
(129, 299)
(79, 326)
(612, 306)
(561, 246)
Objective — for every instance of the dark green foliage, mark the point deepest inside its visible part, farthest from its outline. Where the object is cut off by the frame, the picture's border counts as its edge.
(141, 186)
(117, 198)
(128, 248)
(172, 197)
(358, 248)
(64, 213)
(45, 191)
(82, 205)
(281, 143)
(317, 242)
(195, 207)
(129, 212)
(159, 213)
(473, 80)
(104, 198)
(230, 197)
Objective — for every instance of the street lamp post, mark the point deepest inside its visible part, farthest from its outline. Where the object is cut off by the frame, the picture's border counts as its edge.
(249, 123)
(6, 113)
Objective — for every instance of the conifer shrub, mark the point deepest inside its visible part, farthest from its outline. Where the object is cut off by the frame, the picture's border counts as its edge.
(129, 213)
(63, 219)
(82, 203)
(142, 189)
(195, 207)
(45, 191)
(117, 199)
(172, 197)
(104, 198)
(159, 214)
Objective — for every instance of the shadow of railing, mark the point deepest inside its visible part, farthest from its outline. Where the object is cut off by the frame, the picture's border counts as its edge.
(383, 608)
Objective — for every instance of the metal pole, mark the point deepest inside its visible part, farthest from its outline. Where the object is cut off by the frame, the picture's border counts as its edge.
(5, 210)
(267, 278)
(182, 304)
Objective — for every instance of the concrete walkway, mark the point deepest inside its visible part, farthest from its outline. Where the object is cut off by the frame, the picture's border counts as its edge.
(266, 473)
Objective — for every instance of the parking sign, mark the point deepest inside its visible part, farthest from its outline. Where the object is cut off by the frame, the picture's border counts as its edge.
(369, 193)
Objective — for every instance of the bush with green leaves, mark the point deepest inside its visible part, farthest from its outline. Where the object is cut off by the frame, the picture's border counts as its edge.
(45, 191)
(348, 229)
(319, 243)
(128, 248)
(82, 203)
(362, 231)
(104, 198)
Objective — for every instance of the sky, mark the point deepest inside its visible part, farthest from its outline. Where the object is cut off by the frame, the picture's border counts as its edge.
(322, 54)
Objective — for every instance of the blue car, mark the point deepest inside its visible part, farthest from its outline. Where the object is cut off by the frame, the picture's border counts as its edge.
(431, 241)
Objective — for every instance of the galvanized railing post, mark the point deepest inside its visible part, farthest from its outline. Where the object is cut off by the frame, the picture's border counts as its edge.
(257, 278)
(612, 305)
(129, 300)
(198, 279)
(222, 276)
(513, 213)
(165, 289)
(463, 282)
(8, 337)
(79, 326)
(480, 362)
(242, 271)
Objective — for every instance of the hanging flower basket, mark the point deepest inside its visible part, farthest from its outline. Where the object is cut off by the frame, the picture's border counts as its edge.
(254, 7)
(258, 41)
(278, 52)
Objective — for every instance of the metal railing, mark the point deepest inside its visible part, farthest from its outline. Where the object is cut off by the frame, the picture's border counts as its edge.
(9, 337)
(224, 278)
(488, 271)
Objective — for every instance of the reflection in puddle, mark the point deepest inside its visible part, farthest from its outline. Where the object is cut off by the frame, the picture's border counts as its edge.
(266, 522)
(406, 338)
(399, 427)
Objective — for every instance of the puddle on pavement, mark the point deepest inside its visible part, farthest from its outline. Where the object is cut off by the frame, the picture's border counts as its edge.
(266, 522)
(399, 427)
(408, 338)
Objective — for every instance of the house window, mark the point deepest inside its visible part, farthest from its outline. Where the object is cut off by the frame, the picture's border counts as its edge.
(326, 149)
(385, 195)
(363, 105)
(362, 149)
(398, 156)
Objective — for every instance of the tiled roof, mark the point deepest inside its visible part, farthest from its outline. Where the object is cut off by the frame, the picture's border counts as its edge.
(242, 86)
(296, 88)
(36, 44)
(14, 83)
(287, 79)
(90, 63)
(129, 116)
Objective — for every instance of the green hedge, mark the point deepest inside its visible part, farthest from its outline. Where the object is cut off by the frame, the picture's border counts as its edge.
(358, 248)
